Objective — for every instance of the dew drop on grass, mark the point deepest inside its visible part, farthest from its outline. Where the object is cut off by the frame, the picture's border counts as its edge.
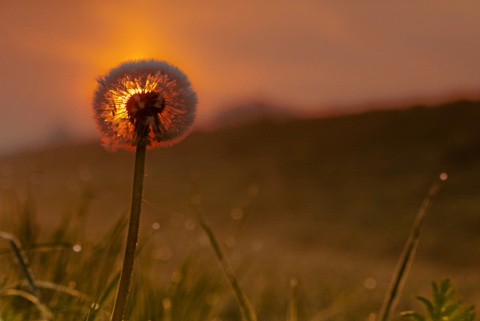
(166, 303)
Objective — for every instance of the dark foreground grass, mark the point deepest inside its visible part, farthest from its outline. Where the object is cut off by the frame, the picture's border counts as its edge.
(60, 279)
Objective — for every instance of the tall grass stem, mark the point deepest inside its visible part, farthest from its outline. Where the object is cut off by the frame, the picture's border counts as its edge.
(22, 259)
(132, 236)
(44, 311)
(245, 307)
(406, 259)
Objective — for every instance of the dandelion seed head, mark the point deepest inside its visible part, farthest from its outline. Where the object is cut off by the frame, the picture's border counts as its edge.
(144, 100)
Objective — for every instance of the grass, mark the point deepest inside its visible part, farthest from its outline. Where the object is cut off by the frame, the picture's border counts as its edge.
(327, 203)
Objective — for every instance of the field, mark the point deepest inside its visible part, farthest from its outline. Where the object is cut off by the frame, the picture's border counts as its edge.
(323, 203)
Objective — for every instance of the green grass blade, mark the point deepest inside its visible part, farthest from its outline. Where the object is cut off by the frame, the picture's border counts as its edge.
(292, 311)
(245, 307)
(96, 307)
(22, 259)
(408, 253)
(44, 311)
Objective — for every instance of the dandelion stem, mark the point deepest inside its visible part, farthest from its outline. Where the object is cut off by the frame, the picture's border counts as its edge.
(132, 237)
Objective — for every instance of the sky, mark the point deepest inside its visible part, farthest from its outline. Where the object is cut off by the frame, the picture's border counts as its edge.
(312, 56)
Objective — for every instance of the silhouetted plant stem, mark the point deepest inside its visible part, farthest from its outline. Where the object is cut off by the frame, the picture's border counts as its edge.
(132, 236)
(22, 259)
(21, 256)
(405, 261)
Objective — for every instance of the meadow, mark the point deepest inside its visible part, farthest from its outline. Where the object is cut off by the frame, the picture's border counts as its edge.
(312, 214)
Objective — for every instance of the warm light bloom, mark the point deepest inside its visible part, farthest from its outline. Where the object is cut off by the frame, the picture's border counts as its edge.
(145, 99)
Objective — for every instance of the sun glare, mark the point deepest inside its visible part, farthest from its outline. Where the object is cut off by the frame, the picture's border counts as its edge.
(131, 86)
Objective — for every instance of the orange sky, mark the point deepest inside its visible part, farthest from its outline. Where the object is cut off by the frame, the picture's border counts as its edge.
(310, 54)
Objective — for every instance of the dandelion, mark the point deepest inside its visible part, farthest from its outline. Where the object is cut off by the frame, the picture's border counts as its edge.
(141, 104)
(144, 101)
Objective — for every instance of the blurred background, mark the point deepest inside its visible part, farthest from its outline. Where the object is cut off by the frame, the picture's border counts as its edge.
(321, 125)
(306, 57)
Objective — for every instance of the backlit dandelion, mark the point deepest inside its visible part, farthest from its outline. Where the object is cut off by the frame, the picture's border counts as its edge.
(145, 100)
(141, 104)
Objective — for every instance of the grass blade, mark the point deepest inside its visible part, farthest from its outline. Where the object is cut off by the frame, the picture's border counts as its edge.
(292, 311)
(44, 311)
(245, 307)
(95, 308)
(22, 260)
(408, 253)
